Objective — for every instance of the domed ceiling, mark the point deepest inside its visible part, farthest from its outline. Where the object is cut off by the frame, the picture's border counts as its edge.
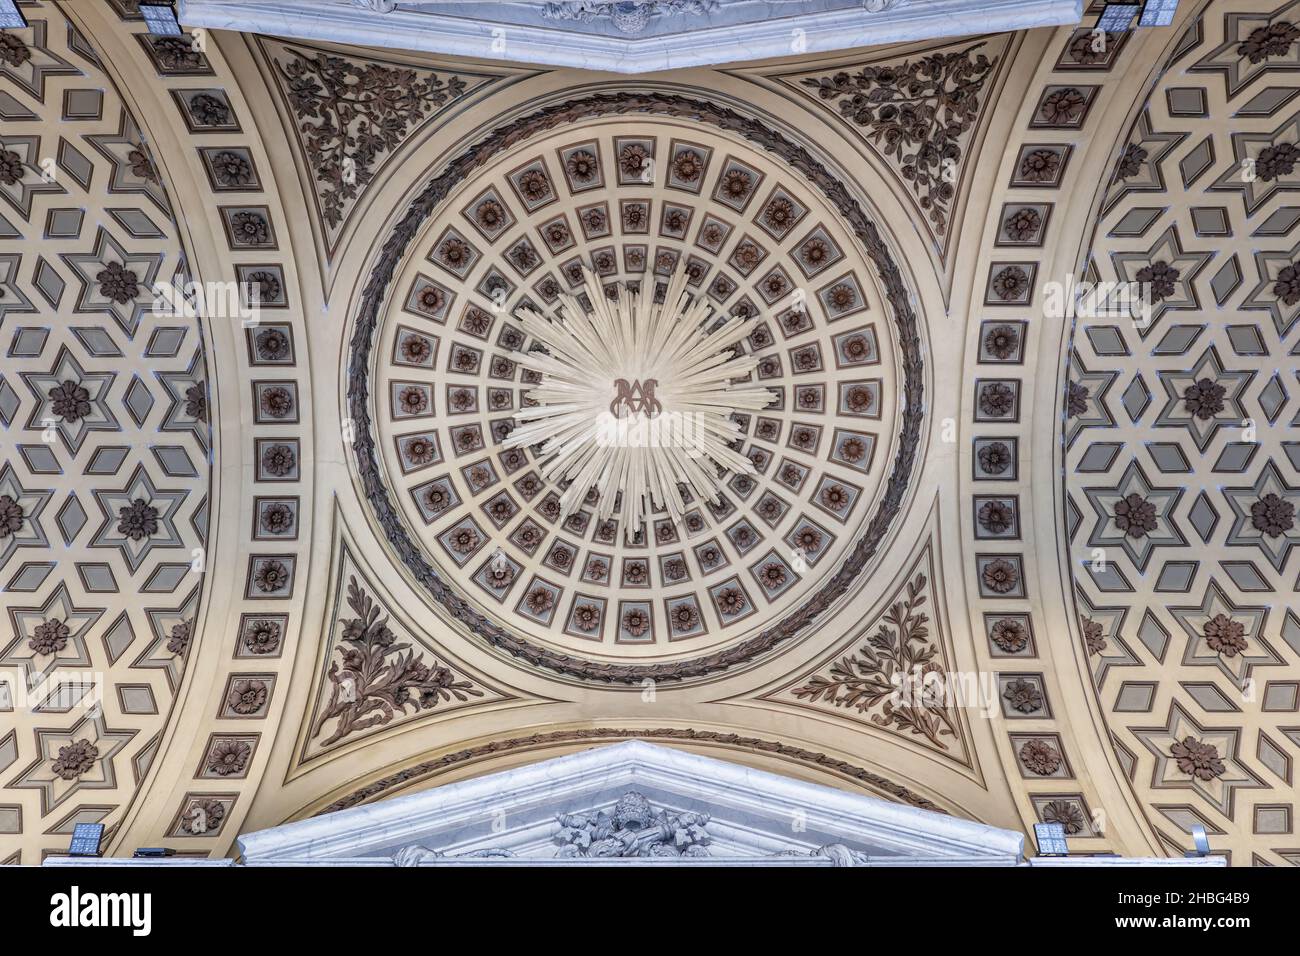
(635, 191)
(361, 529)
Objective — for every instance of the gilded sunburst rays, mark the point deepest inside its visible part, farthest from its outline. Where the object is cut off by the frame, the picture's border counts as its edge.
(672, 374)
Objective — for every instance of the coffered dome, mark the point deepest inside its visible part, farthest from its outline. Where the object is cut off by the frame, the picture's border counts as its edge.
(634, 190)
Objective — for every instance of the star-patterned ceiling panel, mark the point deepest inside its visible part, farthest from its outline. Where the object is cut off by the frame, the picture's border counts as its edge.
(104, 411)
(1181, 465)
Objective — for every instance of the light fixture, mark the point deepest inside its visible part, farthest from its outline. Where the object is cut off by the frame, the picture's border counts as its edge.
(161, 19)
(86, 838)
(1158, 13)
(152, 852)
(1050, 838)
(11, 18)
(1200, 841)
(1117, 17)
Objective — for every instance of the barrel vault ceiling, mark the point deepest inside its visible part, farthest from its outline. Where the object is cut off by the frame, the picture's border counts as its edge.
(256, 570)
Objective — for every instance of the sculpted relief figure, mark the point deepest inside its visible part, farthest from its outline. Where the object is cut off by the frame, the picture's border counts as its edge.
(632, 829)
(416, 855)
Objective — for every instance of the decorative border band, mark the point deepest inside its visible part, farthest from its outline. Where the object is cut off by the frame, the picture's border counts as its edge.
(598, 734)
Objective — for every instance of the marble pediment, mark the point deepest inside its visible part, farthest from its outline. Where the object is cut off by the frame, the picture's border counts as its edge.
(633, 802)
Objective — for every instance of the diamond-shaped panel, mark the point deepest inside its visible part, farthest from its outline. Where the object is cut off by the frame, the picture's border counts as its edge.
(138, 400)
(1273, 398)
(48, 282)
(71, 518)
(1136, 398)
(1153, 636)
(9, 403)
(1203, 516)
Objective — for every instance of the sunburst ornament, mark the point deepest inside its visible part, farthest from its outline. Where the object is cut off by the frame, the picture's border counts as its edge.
(636, 397)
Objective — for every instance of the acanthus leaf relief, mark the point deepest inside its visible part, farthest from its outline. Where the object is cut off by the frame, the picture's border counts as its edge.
(375, 677)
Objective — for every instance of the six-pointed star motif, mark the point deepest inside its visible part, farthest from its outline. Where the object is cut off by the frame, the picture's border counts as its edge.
(24, 621)
(1201, 418)
(106, 254)
(1106, 531)
(30, 534)
(1267, 515)
(139, 488)
(100, 775)
(1219, 791)
(1235, 666)
(1169, 250)
(55, 411)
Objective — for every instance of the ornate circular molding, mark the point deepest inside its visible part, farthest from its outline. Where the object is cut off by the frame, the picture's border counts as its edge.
(370, 319)
(634, 235)
(430, 768)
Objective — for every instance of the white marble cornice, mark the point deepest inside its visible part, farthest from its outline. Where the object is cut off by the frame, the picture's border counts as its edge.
(566, 44)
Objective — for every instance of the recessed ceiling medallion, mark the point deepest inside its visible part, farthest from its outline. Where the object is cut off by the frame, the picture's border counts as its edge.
(636, 401)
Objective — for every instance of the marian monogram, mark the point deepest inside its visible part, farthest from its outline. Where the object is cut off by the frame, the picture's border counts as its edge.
(635, 398)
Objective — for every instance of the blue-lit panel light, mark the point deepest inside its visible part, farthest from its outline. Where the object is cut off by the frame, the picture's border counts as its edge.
(1158, 13)
(1117, 17)
(1050, 838)
(11, 18)
(161, 19)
